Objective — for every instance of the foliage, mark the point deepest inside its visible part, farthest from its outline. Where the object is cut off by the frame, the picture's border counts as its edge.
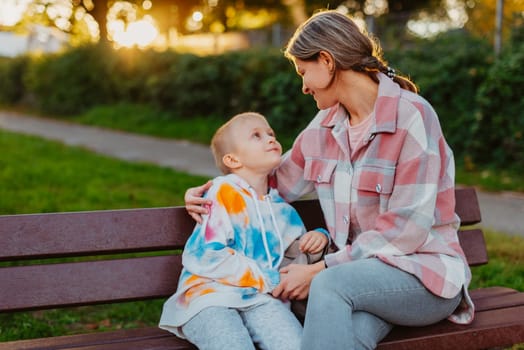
(482, 14)
(195, 85)
(499, 136)
(181, 85)
(266, 82)
(455, 71)
(12, 87)
(449, 70)
(73, 81)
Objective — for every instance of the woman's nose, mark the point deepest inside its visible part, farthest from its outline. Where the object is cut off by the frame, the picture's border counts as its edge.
(305, 89)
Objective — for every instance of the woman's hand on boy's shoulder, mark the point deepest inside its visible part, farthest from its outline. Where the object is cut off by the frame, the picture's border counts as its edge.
(195, 204)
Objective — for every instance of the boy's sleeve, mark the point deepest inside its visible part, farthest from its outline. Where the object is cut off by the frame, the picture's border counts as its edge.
(214, 250)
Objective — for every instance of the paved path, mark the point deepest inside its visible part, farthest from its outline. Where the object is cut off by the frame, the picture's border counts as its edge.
(500, 211)
(180, 155)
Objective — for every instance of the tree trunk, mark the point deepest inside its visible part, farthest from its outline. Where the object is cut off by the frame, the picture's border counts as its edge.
(99, 13)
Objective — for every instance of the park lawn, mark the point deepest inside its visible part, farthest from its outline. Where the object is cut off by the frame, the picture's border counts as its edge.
(39, 176)
(42, 176)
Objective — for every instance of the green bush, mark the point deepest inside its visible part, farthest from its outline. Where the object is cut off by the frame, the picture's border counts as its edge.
(498, 138)
(12, 87)
(266, 82)
(74, 81)
(449, 70)
(196, 86)
(287, 109)
(455, 71)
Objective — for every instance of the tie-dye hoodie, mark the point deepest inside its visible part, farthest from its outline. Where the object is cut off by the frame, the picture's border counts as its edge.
(232, 258)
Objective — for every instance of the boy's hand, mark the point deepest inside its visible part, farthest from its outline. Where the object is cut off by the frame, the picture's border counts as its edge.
(313, 242)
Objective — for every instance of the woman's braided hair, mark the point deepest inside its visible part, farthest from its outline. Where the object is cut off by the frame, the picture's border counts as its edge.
(351, 48)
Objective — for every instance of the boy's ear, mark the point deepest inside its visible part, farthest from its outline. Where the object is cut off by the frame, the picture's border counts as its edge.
(231, 161)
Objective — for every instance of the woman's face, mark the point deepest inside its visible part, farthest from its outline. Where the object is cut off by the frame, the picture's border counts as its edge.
(318, 80)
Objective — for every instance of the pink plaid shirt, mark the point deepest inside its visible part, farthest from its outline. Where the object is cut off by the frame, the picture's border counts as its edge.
(392, 197)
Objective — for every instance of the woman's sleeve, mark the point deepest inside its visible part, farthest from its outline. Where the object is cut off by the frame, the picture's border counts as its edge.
(290, 173)
(215, 249)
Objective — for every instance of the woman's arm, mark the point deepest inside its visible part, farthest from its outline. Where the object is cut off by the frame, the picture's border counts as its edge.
(196, 204)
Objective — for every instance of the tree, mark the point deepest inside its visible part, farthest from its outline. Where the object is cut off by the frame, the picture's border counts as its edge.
(98, 9)
(482, 15)
(170, 14)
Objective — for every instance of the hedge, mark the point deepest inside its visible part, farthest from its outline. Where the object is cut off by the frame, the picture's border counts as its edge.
(476, 96)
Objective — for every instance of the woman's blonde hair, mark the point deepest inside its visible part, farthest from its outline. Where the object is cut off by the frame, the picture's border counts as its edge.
(223, 142)
(350, 47)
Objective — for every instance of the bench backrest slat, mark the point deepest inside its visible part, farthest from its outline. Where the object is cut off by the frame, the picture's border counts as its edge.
(34, 236)
(96, 233)
(467, 206)
(86, 283)
(474, 246)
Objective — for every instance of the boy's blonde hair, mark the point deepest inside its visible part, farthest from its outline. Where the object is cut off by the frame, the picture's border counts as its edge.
(223, 142)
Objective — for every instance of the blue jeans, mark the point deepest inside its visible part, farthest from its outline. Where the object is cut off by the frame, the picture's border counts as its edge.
(355, 305)
(271, 326)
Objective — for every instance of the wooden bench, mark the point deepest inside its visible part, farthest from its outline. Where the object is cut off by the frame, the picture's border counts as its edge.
(500, 311)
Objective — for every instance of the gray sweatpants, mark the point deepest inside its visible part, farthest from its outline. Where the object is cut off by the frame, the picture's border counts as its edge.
(271, 326)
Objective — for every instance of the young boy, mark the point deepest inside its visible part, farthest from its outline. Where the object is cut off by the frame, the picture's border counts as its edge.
(232, 258)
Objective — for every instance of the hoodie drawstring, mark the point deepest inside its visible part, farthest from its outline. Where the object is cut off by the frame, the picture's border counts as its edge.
(280, 243)
(263, 229)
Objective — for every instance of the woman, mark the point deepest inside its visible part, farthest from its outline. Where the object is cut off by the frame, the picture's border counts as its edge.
(384, 174)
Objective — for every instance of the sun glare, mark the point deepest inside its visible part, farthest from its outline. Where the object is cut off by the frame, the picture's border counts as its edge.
(140, 33)
(11, 11)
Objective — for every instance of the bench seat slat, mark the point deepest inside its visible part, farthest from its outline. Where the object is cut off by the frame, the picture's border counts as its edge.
(42, 286)
(490, 292)
(497, 302)
(492, 328)
(486, 331)
(34, 236)
(143, 338)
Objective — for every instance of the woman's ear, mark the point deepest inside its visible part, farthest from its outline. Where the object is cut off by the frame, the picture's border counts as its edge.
(231, 161)
(325, 57)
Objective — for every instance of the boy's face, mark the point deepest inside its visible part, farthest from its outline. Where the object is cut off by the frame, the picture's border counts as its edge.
(256, 146)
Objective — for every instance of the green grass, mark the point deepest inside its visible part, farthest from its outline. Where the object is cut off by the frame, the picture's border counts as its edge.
(39, 176)
(491, 179)
(506, 262)
(47, 323)
(145, 120)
